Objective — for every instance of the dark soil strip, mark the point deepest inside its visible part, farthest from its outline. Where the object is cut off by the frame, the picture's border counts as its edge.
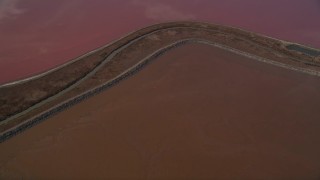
(40, 118)
(304, 50)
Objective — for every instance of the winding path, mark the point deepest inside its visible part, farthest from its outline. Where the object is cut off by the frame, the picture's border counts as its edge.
(127, 73)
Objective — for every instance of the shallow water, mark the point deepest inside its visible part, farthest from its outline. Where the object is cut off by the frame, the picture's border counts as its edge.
(197, 111)
(36, 35)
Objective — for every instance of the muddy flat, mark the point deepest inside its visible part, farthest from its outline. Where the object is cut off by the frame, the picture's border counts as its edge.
(195, 112)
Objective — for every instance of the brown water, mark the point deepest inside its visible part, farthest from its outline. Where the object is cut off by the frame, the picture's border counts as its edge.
(195, 112)
(36, 35)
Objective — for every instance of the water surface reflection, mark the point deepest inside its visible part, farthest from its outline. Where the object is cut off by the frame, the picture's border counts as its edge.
(40, 34)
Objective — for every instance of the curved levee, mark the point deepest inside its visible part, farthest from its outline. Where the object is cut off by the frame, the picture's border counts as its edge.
(195, 27)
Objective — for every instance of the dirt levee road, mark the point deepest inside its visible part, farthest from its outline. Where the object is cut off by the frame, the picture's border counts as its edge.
(30, 101)
(196, 112)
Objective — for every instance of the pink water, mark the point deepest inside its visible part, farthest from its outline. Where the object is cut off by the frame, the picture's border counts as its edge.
(37, 35)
